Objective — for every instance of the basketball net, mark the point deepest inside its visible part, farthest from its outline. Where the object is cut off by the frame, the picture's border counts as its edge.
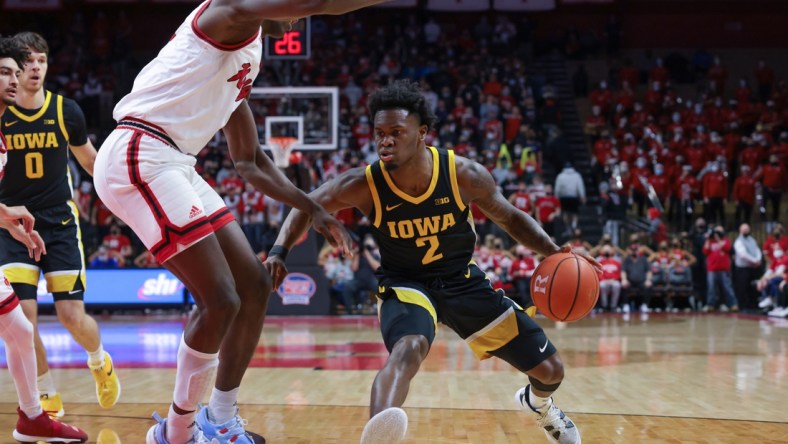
(282, 147)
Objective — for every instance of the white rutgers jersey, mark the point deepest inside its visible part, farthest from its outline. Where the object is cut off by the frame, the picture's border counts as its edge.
(193, 85)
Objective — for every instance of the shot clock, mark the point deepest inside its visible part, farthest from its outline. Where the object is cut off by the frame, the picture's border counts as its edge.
(295, 44)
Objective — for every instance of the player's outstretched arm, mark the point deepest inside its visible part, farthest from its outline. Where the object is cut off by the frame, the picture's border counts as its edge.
(257, 168)
(347, 190)
(477, 185)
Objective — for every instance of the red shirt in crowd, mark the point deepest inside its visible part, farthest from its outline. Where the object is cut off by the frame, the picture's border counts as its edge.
(769, 244)
(611, 268)
(117, 242)
(522, 268)
(546, 206)
(718, 254)
(661, 185)
(522, 201)
(774, 176)
(715, 185)
(744, 190)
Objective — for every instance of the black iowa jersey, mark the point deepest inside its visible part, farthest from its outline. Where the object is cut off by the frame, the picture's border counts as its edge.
(426, 236)
(37, 174)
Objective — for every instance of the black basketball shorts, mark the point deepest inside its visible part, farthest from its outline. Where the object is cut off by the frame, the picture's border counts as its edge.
(489, 322)
(63, 265)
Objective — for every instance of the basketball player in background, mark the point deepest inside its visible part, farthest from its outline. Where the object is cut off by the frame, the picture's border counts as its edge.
(40, 130)
(16, 331)
(418, 198)
(197, 85)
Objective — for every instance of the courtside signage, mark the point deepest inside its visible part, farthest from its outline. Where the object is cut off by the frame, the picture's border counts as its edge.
(297, 289)
(130, 286)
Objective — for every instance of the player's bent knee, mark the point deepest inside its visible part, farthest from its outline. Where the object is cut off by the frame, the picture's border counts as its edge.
(549, 372)
(410, 351)
(256, 288)
(70, 317)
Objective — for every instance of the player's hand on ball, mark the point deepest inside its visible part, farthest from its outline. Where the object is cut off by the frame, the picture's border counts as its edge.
(591, 260)
(277, 269)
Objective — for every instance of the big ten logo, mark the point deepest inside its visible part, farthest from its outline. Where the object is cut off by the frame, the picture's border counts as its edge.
(540, 283)
(161, 286)
(297, 289)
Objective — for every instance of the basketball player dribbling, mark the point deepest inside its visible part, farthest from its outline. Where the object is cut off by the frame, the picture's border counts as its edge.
(144, 173)
(16, 331)
(418, 198)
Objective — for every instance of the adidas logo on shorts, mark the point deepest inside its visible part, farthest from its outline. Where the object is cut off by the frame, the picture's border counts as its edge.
(194, 212)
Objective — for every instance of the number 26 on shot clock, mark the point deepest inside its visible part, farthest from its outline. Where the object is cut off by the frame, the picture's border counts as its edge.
(295, 44)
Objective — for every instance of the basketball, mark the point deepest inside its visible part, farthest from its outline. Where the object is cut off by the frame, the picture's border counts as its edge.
(565, 287)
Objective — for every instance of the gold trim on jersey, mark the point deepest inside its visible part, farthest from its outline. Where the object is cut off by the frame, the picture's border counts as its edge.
(20, 273)
(413, 296)
(60, 120)
(375, 198)
(430, 189)
(35, 116)
(495, 335)
(455, 188)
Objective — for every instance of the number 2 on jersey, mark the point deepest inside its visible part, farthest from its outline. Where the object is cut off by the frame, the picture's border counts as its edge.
(34, 165)
(430, 256)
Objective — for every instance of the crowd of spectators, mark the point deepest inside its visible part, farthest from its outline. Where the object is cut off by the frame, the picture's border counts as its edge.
(686, 165)
(654, 154)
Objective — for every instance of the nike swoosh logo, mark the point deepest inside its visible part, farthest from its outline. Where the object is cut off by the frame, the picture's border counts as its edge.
(74, 291)
(109, 373)
(391, 207)
(542, 349)
(468, 274)
(7, 124)
(65, 222)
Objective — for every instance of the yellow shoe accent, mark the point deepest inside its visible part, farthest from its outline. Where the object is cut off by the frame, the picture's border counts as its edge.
(531, 311)
(52, 405)
(108, 436)
(107, 383)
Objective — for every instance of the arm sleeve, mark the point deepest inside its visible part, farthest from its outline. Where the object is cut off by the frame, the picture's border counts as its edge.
(75, 123)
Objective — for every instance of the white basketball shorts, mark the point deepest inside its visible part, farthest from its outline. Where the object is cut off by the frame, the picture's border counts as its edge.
(8, 300)
(144, 179)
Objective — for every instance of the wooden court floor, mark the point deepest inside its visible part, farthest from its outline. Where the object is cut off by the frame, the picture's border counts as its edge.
(662, 379)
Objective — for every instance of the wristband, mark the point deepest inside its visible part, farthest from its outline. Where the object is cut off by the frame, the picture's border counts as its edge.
(279, 250)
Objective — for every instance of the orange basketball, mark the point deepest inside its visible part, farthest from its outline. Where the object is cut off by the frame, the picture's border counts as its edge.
(565, 287)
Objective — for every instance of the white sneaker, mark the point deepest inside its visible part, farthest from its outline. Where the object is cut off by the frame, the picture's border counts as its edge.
(625, 308)
(724, 308)
(706, 309)
(777, 312)
(157, 434)
(558, 428)
(766, 302)
(644, 308)
(387, 427)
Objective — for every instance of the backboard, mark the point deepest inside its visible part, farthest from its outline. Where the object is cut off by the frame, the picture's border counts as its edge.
(310, 114)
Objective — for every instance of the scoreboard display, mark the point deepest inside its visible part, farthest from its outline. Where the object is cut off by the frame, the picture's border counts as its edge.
(295, 44)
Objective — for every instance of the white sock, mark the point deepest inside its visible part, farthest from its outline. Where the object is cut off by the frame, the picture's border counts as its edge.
(221, 407)
(17, 334)
(96, 358)
(540, 404)
(46, 385)
(179, 427)
(193, 378)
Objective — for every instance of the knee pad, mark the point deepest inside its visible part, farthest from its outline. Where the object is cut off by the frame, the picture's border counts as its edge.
(194, 376)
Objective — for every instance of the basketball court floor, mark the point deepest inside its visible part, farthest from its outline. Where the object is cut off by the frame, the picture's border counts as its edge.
(668, 378)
